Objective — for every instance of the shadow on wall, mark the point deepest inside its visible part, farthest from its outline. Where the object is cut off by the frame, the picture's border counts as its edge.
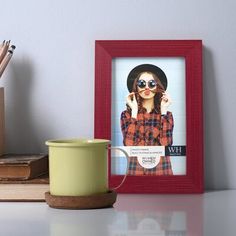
(21, 125)
(216, 173)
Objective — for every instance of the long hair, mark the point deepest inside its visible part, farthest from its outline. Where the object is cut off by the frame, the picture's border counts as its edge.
(157, 98)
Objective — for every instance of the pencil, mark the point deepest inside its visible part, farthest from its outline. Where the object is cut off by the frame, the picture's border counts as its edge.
(6, 59)
(4, 49)
(1, 45)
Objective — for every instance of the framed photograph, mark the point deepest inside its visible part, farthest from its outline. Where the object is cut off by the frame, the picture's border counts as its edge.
(148, 102)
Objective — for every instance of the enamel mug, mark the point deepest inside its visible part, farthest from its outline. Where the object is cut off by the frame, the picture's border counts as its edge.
(78, 167)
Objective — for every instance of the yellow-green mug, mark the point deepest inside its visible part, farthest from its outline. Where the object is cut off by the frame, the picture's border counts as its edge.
(78, 167)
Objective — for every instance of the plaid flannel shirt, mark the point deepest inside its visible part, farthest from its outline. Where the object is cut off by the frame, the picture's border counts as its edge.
(149, 129)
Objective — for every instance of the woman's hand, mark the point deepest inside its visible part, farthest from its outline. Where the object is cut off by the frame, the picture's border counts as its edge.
(132, 103)
(166, 101)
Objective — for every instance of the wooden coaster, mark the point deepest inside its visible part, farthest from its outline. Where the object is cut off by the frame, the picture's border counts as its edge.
(96, 201)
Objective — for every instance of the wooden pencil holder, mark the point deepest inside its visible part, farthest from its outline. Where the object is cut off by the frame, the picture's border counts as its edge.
(2, 126)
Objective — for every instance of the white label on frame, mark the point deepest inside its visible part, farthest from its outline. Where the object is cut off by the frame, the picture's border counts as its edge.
(147, 156)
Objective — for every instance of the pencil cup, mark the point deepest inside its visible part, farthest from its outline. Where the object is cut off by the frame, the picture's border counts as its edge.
(1, 121)
(78, 167)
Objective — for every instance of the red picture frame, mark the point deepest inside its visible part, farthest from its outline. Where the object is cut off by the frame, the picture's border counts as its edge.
(191, 51)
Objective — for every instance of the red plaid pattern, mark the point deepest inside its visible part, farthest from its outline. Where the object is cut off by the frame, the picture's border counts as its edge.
(149, 129)
(163, 167)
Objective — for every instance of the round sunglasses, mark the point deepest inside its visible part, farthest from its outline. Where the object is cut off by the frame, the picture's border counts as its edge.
(142, 83)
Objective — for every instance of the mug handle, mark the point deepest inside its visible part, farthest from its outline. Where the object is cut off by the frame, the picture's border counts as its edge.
(127, 166)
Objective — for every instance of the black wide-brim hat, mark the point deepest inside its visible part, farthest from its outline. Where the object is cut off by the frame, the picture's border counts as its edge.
(146, 68)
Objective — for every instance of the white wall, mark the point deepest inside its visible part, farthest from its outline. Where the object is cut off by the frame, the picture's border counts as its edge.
(50, 81)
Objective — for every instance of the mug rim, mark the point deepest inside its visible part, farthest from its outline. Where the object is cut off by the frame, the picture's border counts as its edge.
(76, 142)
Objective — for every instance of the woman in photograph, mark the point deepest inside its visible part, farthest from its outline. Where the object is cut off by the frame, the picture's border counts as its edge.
(147, 121)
